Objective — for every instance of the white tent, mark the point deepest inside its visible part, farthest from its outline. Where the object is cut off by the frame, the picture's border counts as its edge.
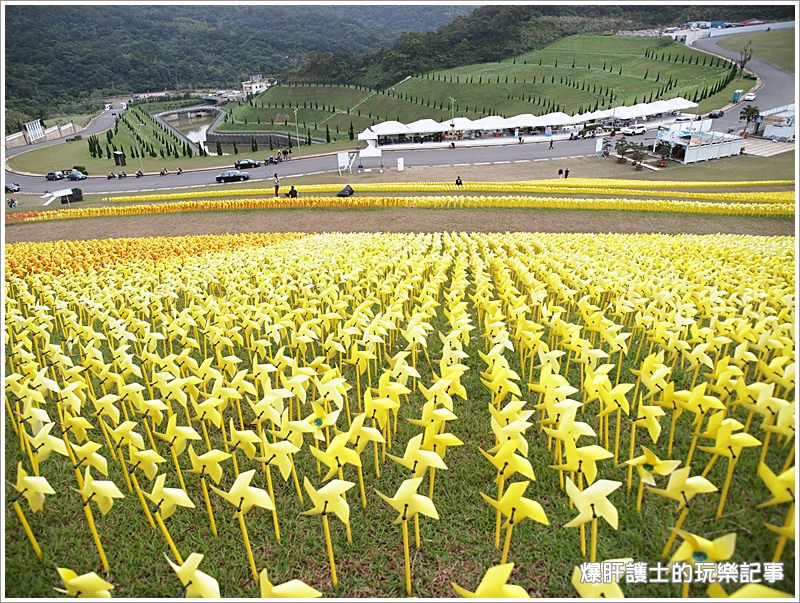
(525, 120)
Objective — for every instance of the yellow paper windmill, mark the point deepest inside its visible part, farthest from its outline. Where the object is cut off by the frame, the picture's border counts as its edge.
(176, 437)
(648, 417)
(417, 460)
(782, 488)
(593, 504)
(208, 464)
(359, 435)
(196, 584)
(245, 497)
(682, 488)
(166, 501)
(148, 460)
(409, 504)
(494, 585)
(326, 500)
(103, 494)
(757, 592)
(293, 589)
(516, 508)
(42, 444)
(648, 465)
(32, 488)
(88, 586)
(246, 440)
(696, 549)
(280, 454)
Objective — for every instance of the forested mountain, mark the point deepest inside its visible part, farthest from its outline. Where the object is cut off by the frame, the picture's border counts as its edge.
(57, 57)
(495, 32)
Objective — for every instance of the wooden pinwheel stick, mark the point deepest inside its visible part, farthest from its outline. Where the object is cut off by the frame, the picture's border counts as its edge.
(726, 486)
(329, 545)
(165, 532)
(26, 526)
(141, 496)
(205, 431)
(210, 510)
(782, 540)
(268, 469)
(87, 510)
(246, 538)
(406, 555)
(678, 524)
(509, 531)
(175, 462)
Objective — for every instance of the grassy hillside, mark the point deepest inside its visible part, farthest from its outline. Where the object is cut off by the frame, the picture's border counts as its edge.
(578, 73)
(776, 47)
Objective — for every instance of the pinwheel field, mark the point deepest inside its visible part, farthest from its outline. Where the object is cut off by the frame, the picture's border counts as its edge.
(375, 415)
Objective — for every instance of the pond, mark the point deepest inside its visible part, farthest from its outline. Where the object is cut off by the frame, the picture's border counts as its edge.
(194, 128)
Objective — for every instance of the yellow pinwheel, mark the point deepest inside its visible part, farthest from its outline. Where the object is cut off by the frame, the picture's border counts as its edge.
(148, 460)
(293, 589)
(757, 592)
(696, 549)
(208, 464)
(42, 444)
(103, 494)
(593, 504)
(166, 501)
(359, 435)
(516, 508)
(326, 500)
(418, 460)
(648, 465)
(682, 488)
(494, 585)
(88, 586)
(782, 488)
(244, 497)
(246, 439)
(196, 584)
(648, 417)
(32, 488)
(176, 437)
(727, 444)
(409, 504)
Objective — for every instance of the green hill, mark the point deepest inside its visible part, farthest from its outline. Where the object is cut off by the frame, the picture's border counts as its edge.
(776, 46)
(575, 74)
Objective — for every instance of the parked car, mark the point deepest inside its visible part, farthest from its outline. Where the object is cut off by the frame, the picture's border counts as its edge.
(682, 119)
(750, 96)
(76, 175)
(633, 130)
(57, 175)
(246, 164)
(716, 113)
(12, 187)
(233, 176)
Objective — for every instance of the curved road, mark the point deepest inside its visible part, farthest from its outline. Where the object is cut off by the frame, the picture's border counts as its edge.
(777, 89)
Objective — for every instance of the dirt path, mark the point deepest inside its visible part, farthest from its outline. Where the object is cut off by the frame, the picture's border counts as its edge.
(393, 220)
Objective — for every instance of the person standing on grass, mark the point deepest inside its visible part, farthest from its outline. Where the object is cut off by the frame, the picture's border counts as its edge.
(458, 181)
(566, 173)
(560, 173)
(277, 182)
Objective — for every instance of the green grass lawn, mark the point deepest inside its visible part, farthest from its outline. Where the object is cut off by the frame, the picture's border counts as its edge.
(79, 119)
(458, 547)
(776, 47)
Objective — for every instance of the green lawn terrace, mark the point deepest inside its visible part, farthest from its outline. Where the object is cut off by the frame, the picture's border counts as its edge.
(576, 74)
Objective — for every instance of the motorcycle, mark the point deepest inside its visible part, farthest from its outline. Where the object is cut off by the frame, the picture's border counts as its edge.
(122, 175)
(179, 171)
(164, 172)
(111, 176)
(139, 173)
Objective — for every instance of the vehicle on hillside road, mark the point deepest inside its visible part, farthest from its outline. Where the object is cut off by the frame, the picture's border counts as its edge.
(56, 175)
(716, 113)
(12, 187)
(76, 175)
(633, 130)
(245, 164)
(233, 176)
(750, 96)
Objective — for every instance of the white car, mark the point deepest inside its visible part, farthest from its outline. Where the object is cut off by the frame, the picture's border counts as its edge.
(750, 96)
(633, 130)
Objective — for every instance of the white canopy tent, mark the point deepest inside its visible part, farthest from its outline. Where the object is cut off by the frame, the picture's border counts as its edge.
(525, 120)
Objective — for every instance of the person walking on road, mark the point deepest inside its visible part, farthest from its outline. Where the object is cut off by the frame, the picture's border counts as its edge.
(551, 144)
(277, 182)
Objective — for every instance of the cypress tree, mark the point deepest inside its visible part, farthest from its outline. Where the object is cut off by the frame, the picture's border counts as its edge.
(219, 148)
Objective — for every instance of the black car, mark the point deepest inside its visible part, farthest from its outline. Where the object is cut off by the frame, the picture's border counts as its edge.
(12, 187)
(246, 164)
(716, 113)
(57, 175)
(76, 175)
(233, 176)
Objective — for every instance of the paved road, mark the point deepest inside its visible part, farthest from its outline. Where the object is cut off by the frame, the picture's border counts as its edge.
(778, 87)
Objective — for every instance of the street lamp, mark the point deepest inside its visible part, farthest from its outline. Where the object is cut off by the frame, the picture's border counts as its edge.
(296, 131)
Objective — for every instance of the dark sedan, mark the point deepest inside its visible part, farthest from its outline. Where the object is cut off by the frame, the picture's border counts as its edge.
(246, 164)
(233, 176)
(76, 175)
(12, 187)
(716, 113)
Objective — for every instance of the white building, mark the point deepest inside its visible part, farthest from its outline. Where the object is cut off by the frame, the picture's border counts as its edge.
(256, 84)
(778, 124)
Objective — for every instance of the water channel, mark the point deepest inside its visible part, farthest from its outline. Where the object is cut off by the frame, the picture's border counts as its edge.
(194, 128)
